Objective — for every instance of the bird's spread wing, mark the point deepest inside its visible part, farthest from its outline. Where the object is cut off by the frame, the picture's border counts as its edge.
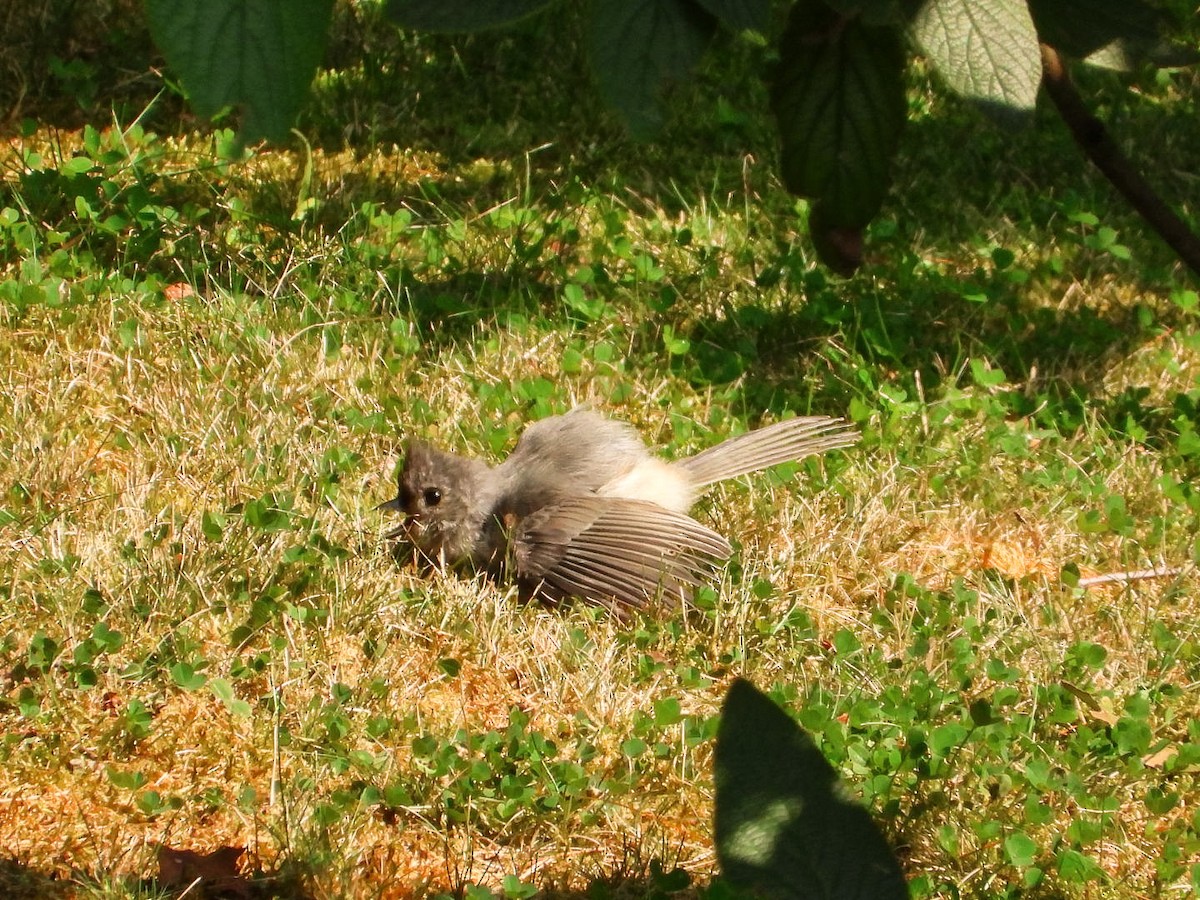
(614, 552)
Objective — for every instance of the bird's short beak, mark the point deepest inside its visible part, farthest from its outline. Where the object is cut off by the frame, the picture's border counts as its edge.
(392, 505)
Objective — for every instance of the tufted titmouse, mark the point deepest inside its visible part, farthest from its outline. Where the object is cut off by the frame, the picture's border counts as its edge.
(582, 509)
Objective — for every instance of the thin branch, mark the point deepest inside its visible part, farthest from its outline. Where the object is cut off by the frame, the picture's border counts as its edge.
(1093, 138)
(1126, 577)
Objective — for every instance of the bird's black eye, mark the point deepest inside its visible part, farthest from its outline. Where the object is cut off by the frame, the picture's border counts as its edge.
(432, 496)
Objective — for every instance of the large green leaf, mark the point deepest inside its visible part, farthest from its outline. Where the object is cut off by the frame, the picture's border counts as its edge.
(460, 15)
(985, 49)
(839, 101)
(639, 47)
(785, 825)
(1115, 34)
(875, 12)
(740, 14)
(260, 55)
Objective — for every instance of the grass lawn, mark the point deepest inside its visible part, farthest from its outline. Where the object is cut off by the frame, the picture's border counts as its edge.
(208, 370)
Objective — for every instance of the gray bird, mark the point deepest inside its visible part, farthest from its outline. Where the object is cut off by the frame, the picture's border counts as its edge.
(582, 509)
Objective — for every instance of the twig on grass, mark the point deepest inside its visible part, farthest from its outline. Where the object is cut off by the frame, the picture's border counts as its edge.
(1126, 577)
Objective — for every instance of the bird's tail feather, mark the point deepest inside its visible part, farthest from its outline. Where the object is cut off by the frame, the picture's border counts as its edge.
(785, 441)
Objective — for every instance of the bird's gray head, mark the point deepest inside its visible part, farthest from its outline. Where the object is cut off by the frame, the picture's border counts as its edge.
(444, 499)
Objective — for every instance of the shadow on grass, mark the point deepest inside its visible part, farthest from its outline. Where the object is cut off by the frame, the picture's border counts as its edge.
(635, 878)
(21, 882)
(469, 305)
(1056, 361)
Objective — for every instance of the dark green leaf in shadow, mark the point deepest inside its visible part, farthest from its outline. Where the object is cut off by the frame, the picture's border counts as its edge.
(875, 12)
(259, 55)
(986, 50)
(754, 15)
(460, 15)
(839, 101)
(838, 246)
(1113, 34)
(638, 48)
(785, 824)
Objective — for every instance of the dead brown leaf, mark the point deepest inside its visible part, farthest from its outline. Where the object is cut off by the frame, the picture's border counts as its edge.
(1159, 757)
(217, 871)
